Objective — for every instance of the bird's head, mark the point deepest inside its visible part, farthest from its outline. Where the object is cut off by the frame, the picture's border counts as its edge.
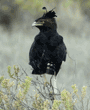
(47, 21)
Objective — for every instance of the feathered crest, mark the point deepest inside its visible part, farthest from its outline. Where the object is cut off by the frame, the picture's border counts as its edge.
(49, 14)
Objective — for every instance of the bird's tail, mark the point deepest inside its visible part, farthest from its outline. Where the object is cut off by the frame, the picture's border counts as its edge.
(50, 69)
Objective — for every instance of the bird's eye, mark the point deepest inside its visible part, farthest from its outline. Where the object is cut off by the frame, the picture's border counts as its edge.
(40, 20)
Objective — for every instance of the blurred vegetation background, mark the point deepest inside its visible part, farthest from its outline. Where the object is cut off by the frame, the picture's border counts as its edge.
(17, 35)
(17, 10)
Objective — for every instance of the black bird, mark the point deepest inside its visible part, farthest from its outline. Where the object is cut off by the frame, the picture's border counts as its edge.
(48, 49)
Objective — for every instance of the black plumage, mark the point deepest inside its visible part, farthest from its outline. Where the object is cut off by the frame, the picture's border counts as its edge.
(48, 49)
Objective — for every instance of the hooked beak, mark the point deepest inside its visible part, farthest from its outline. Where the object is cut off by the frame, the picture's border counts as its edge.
(37, 24)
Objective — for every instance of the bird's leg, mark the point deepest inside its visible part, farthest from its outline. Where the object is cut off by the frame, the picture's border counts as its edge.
(51, 81)
(46, 82)
(55, 85)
